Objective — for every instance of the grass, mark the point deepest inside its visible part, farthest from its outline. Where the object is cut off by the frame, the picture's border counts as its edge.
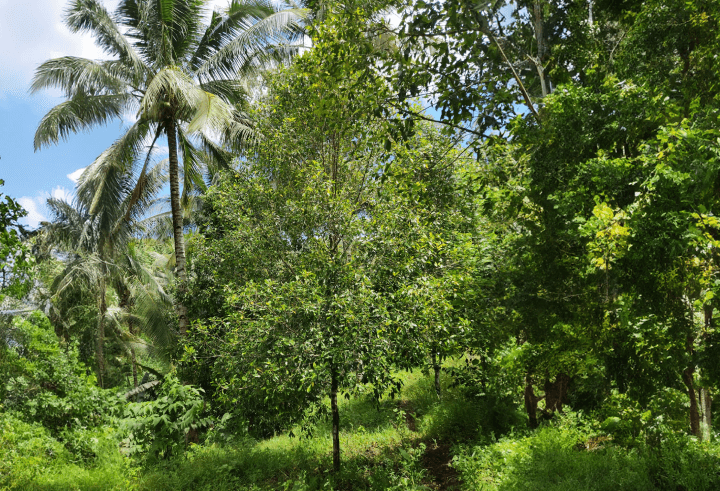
(401, 444)
(379, 451)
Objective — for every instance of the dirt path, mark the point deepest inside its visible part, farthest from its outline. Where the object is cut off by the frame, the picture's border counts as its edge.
(436, 459)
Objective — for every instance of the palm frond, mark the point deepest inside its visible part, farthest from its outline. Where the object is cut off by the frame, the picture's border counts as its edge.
(259, 45)
(105, 181)
(231, 91)
(212, 113)
(90, 16)
(144, 196)
(141, 192)
(192, 171)
(79, 113)
(226, 25)
(169, 84)
(79, 75)
(153, 307)
(141, 388)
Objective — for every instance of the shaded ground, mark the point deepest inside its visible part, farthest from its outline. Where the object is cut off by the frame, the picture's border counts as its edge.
(437, 457)
(436, 460)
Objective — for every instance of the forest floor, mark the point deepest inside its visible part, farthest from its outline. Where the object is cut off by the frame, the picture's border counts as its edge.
(413, 442)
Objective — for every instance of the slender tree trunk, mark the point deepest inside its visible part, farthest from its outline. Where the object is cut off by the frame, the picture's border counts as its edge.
(436, 368)
(705, 414)
(540, 39)
(125, 304)
(100, 353)
(704, 393)
(531, 403)
(177, 220)
(335, 419)
(694, 414)
(134, 367)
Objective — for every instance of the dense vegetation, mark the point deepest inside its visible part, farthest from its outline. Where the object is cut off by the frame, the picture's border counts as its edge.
(407, 245)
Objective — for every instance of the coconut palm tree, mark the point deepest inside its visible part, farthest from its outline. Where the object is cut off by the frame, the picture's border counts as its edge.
(178, 75)
(95, 245)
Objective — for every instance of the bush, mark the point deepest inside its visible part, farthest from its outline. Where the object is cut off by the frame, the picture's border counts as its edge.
(46, 383)
(564, 457)
(681, 463)
(25, 449)
(162, 426)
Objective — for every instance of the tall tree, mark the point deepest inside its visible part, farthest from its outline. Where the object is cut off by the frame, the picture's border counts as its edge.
(96, 243)
(178, 74)
(290, 249)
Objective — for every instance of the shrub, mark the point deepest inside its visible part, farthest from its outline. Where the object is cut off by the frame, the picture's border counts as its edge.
(46, 383)
(161, 427)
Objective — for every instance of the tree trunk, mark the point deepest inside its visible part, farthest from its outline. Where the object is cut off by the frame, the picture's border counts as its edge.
(102, 307)
(335, 419)
(177, 220)
(704, 393)
(531, 403)
(125, 304)
(706, 414)
(694, 414)
(436, 368)
(540, 39)
(555, 393)
(134, 366)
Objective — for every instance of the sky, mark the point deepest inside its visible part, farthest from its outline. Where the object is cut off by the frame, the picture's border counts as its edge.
(31, 32)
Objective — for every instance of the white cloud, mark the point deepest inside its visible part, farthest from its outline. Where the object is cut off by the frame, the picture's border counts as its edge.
(32, 32)
(59, 192)
(34, 216)
(37, 208)
(74, 176)
(161, 150)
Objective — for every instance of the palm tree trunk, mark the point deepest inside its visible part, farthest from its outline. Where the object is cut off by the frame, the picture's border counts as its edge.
(177, 219)
(102, 307)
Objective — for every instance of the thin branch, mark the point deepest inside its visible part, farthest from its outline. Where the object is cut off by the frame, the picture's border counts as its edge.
(432, 120)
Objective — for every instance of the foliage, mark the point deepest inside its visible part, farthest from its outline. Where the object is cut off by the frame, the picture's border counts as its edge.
(570, 455)
(45, 382)
(31, 459)
(25, 448)
(298, 246)
(160, 427)
(545, 237)
(182, 74)
(15, 260)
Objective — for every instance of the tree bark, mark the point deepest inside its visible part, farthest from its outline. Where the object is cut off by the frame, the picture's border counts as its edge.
(335, 419)
(706, 414)
(125, 304)
(177, 220)
(540, 39)
(436, 368)
(704, 393)
(694, 414)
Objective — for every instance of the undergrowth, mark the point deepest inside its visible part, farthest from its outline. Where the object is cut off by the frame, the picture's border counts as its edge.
(414, 442)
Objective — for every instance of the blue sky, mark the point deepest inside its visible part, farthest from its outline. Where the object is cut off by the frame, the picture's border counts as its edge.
(31, 32)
